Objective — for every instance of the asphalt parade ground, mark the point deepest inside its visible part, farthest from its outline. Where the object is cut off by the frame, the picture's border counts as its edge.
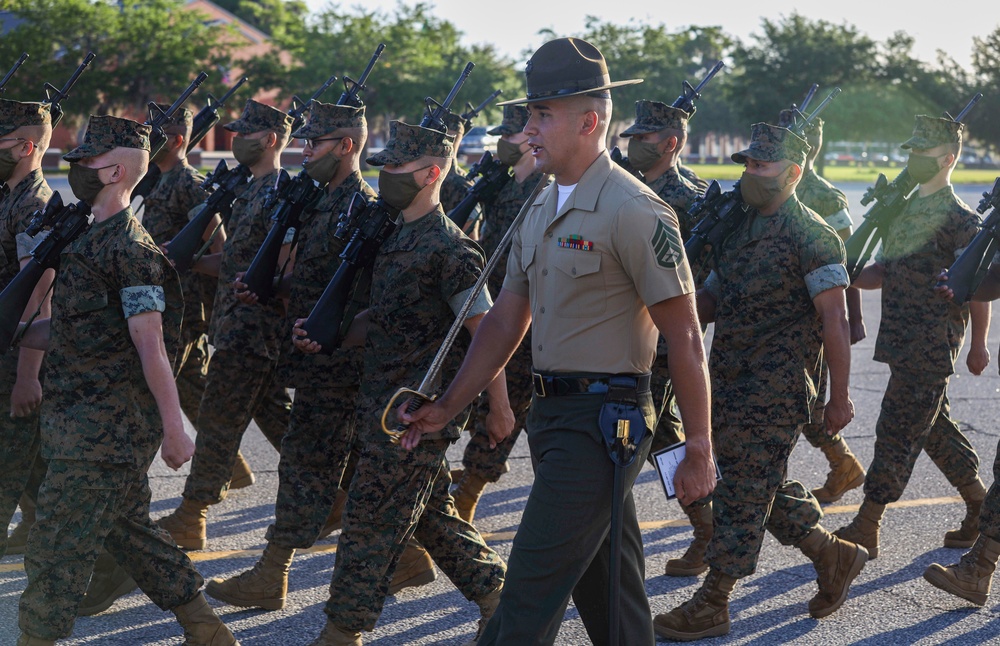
(890, 603)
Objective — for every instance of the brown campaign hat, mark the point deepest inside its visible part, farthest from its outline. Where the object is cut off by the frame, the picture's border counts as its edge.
(324, 118)
(514, 119)
(653, 116)
(257, 116)
(929, 132)
(17, 114)
(566, 67)
(770, 143)
(106, 133)
(407, 143)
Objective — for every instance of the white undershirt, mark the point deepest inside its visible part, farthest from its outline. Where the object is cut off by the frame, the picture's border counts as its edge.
(564, 193)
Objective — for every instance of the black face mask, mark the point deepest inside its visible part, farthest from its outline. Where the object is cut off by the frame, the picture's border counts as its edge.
(398, 189)
(85, 182)
(922, 168)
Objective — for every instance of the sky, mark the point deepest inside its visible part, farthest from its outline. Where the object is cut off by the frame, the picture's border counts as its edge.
(513, 25)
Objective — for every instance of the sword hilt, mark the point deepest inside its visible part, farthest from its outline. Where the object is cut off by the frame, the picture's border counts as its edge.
(418, 400)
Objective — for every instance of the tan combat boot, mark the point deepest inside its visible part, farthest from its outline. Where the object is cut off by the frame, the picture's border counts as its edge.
(335, 520)
(265, 585)
(837, 564)
(972, 576)
(692, 563)
(18, 538)
(242, 474)
(334, 635)
(487, 606)
(415, 568)
(28, 640)
(846, 472)
(966, 535)
(467, 493)
(186, 524)
(202, 627)
(706, 614)
(109, 582)
(863, 530)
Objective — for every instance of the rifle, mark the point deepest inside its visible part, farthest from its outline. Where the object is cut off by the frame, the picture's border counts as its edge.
(364, 227)
(291, 198)
(54, 96)
(494, 176)
(352, 87)
(13, 70)
(189, 245)
(889, 198)
(805, 101)
(473, 112)
(968, 271)
(208, 116)
(157, 138)
(65, 223)
(299, 107)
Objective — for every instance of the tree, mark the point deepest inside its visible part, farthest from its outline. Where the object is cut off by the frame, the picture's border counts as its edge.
(146, 51)
(984, 123)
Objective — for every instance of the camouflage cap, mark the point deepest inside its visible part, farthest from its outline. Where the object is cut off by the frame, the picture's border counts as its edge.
(770, 143)
(183, 118)
(257, 116)
(929, 132)
(106, 133)
(324, 118)
(455, 123)
(653, 116)
(786, 119)
(17, 114)
(407, 143)
(514, 119)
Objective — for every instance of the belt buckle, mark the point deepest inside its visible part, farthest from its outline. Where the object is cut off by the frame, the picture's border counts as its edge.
(539, 383)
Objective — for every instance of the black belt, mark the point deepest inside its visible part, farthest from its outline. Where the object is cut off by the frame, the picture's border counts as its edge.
(557, 386)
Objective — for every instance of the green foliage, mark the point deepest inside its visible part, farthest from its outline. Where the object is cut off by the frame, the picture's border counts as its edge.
(57, 34)
(985, 123)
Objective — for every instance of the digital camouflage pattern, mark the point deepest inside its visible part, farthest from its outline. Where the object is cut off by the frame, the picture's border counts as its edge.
(17, 114)
(407, 143)
(755, 494)
(828, 201)
(252, 329)
(20, 442)
(85, 508)
(257, 116)
(454, 187)
(653, 116)
(680, 194)
(920, 332)
(395, 495)
(325, 118)
(105, 133)
(455, 123)
(767, 333)
(691, 176)
(419, 269)
(929, 132)
(165, 213)
(989, 517)
(321, 430)
(95, 388)
(479, 457)
(770, 144)
(915, 416)
(514, 119)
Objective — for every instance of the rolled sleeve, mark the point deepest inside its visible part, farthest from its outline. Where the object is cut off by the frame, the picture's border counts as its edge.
(824, 278)
(481, 305)
(26, 244)
(141, 299)
(840, 220)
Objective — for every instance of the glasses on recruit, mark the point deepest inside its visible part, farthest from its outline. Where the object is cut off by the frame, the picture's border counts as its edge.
(311, 143)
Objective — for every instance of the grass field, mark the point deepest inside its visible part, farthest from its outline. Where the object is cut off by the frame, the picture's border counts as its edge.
(844, 174)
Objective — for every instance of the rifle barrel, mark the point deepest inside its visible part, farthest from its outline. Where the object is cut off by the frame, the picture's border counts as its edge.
(13, 70)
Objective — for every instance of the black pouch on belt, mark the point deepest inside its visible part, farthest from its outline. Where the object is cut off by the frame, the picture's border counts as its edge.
(621, 414)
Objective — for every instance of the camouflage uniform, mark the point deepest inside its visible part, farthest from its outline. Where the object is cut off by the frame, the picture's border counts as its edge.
(165, 213)
(692, 177)
(763, 361)
(919, 337)
(421, 277)
(989, 518)
(314, 451)
(454, 187)
(18, 435)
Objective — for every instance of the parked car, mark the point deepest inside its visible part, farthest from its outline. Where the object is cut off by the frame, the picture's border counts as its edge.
(476, 141)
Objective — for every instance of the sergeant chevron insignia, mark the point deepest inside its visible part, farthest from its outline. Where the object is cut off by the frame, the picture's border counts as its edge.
(666, 245)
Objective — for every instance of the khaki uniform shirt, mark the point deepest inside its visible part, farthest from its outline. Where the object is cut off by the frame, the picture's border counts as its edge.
(591, 269)
(919, 331)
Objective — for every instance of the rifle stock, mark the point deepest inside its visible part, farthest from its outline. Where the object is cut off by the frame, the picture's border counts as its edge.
(968, 271)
